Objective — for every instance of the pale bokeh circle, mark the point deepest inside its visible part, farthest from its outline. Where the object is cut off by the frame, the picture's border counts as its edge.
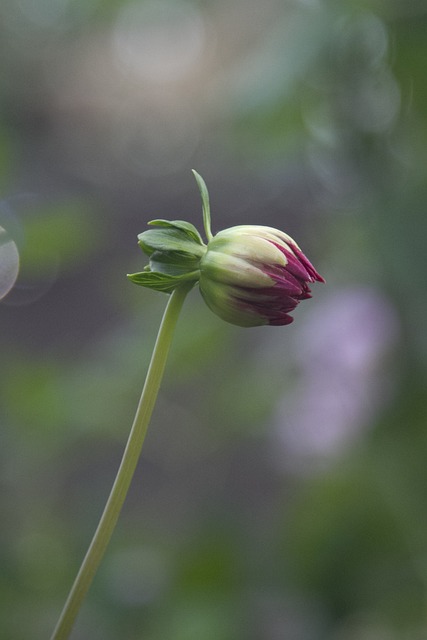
(9, 263)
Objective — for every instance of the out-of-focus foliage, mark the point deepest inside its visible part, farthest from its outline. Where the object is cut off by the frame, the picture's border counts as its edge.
(282, 488)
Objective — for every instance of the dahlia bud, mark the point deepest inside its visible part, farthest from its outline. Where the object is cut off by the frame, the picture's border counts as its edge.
(252, 275)
(248, 275)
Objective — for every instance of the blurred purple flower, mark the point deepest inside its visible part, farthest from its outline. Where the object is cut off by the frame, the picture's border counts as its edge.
(341, 346)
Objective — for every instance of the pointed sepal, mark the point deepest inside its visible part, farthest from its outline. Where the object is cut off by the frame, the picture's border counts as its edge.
(174, 248)
(161, 281)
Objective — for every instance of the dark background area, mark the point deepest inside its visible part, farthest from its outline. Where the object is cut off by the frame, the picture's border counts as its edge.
(282, 490)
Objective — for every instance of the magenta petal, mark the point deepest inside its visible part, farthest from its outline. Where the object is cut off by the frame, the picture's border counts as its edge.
(306, 295)
(294, 266)
(308, 266)
(285, 281)
(280, 321)
(297, 268)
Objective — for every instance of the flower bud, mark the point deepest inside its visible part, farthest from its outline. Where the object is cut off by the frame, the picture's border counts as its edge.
(248, 275)
(254, 275)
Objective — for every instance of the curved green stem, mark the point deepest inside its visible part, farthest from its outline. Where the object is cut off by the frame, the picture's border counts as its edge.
(126, 470)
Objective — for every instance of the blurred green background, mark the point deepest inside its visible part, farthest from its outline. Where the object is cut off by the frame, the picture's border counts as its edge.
(282, 490)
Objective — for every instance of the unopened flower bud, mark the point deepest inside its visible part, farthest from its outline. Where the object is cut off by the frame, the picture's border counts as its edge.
(254, 275)
(248, 275)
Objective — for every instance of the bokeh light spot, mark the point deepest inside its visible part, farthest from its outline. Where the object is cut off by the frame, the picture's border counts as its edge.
(161, 42)
(9, 263)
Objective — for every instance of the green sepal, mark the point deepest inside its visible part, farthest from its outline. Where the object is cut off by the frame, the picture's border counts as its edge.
(204, 194)
(175, 235)
(173, 263)
(162, 281)
(187, 227)
(174, 248)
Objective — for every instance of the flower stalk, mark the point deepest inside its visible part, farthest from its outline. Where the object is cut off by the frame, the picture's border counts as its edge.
(127, 467)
